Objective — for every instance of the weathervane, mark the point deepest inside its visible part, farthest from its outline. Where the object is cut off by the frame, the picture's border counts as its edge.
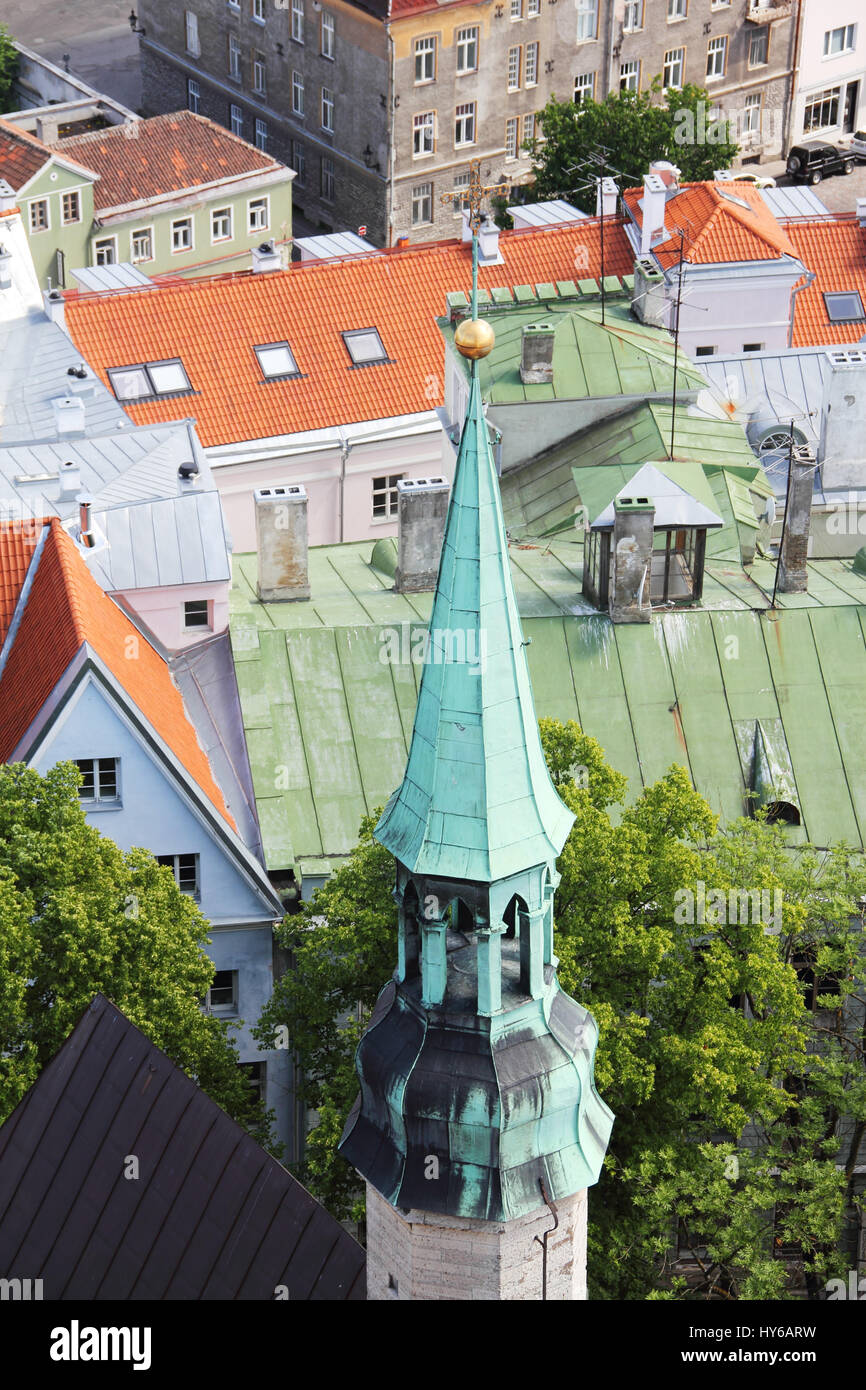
(471, 196)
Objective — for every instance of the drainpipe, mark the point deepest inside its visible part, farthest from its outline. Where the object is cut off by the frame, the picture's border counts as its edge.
(795, 72)
(810, 280)
(345, 450)
(542, 1240)
(392, 84)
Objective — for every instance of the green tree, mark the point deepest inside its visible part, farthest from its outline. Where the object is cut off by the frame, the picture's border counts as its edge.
(8, 69)
(636, 128)
(732, 1099)
(80, 917)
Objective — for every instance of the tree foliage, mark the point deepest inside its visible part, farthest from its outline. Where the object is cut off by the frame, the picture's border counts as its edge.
(733, 1101)
(9, 59)
(636, 128)
(80, 917)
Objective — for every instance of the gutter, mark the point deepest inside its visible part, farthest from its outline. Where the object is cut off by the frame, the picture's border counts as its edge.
(810, 280)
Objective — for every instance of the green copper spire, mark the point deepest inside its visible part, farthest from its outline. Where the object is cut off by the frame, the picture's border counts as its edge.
(476, 801)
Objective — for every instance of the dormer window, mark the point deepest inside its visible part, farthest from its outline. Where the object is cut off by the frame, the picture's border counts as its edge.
(148, 381)
(277, 361)
(365, 347)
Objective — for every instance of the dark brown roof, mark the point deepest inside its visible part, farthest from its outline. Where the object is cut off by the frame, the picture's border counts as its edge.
(211, 1216)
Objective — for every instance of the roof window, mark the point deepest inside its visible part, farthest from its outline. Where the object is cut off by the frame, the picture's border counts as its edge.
(276, 360)
(365, 347)
(147, 381)
(844, 307)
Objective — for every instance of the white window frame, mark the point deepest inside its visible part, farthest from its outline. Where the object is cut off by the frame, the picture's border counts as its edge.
(587, 21)
(254, 226)
(328, 106)
(259, 16)
(422, 193)
(460, 181)
(830, 96)
(193, 44)
(70, 193)
(234, 46)
(515, 63)
(223, 1010)
(98, 247)
(530, 64)
(223, 213)
(516, 10)
(423, 134)
(297, 93)
(587, 92)
(328, 180)
(139, 232)
(261, 135)
(466, 41)
(329, 27)
(178, 222)
(98, 799)
(512, 139)
(763, 31)
(533, 9)
(260, 74)
(528, 127)
(466, 117)
(752, 106)
(678, 10)
(175, 868)
(299, 163)
(207, 625)
(675, 59)
(33, 204)
(717, 47)
(298, 21)
(633, 19)
(193, 95)
(387, 493)
(236, 119)
(628, 70)
(424, 49)
(849, 39)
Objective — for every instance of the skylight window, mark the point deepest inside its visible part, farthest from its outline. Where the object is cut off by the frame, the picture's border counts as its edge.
(276, 360)
(844, 307)
(146, 381)
(365, 347)
(732, 198)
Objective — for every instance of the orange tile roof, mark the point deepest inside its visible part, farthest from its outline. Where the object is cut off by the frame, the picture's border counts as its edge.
(213, 324)
(21, 155)
(400, 8)
(717, 230)
(17, 544)
(162, 155)
(66, 608)
(834, 249)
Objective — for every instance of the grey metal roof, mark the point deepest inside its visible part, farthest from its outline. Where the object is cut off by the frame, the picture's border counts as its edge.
(211, 1216)
(796, 201)
(545, 214)
(320, 248)
(122, 276)
(673, 505)
(35, 357)
(172, 540)
(768, 388)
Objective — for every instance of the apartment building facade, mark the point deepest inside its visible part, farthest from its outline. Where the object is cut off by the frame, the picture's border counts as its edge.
(830, 97)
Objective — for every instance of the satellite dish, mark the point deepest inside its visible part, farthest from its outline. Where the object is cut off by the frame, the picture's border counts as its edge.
(769, 513)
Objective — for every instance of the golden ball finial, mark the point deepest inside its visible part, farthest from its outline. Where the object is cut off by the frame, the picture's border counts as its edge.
(474, 338)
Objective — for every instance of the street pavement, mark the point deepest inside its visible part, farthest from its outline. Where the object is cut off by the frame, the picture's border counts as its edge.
(102, 49)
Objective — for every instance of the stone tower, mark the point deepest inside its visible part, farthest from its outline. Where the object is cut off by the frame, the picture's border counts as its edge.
(478, 1127)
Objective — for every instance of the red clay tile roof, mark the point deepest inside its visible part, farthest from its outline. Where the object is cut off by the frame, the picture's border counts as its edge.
(834, 248)
(66, 608)
(401, 8)
(162, 155)
(717, 230)
(21, 155)
(17, 544)
(213, 325)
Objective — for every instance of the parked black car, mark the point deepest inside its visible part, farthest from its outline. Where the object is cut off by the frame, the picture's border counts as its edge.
(812, 163)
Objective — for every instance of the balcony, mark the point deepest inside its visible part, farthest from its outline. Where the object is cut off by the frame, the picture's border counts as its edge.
(766, 11)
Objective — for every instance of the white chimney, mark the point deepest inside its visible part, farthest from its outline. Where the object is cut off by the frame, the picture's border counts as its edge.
(488, 243)
(8, 198)
(68, 415)
(843, 418)
(266, 257)
(653, 208)
(606, 194)
(69, 475)
(85, 534)
(80, 381)
(669, 175)
(281, 543)
(5, 268)
(54, 307)
(422, 508)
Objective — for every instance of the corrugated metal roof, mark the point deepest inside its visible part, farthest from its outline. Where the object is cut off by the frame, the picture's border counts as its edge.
(322, 248)
(796, 201)
(545, 214)
(122, 276)
(174, 540)
(317, 698)
(211, 1215)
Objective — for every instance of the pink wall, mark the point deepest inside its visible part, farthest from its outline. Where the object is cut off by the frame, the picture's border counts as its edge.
(161, 611)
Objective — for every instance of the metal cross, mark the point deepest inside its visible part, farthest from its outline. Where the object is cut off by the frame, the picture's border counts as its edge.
(472, 194)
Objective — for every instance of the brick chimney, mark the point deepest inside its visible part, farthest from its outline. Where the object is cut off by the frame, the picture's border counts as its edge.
(630, 560)
(794, 549)
(281, 543)
(422, 509)
(536, 354)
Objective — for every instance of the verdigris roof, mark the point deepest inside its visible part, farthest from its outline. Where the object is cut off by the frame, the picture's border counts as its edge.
(476, 801)
(320, 705)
